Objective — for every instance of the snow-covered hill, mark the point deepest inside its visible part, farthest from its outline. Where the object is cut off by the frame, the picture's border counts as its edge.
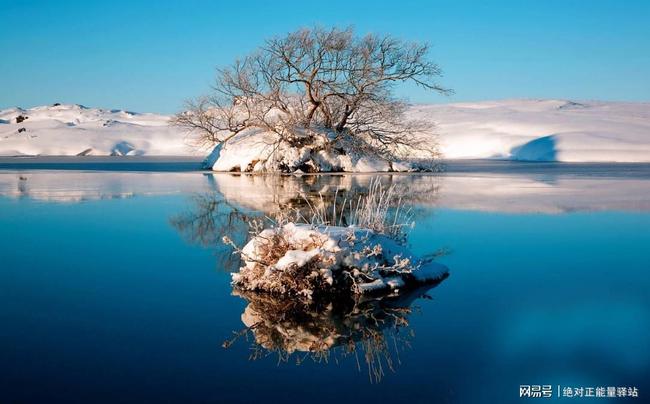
(78, 130)
(542, 130)
(513, 129)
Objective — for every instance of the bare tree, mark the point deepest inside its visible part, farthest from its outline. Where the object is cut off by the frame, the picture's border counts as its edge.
(317, 81)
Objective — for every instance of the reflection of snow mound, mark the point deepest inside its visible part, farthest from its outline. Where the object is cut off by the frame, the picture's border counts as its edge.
(558, 194)
(272, 193)
(291, 326)
(79, 186)
(481, 191)
(269, 194)
(370, 330)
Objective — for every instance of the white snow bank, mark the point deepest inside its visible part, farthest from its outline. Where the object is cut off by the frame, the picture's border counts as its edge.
(69, 130)
(542, 130)
(300, 259)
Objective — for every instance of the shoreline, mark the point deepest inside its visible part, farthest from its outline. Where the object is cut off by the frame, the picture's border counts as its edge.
(103, 163)
(193, 164)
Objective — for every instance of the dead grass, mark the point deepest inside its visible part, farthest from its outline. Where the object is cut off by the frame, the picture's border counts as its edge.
(381, 210)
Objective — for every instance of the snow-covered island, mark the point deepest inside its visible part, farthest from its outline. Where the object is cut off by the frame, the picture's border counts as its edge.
(347, 246)
(527, 130)
(303, 260)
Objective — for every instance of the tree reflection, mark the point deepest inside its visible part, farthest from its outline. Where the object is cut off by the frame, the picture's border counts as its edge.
(209, 218)
(369, 331)
(238, 199)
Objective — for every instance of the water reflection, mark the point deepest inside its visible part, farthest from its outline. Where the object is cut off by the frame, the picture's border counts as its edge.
(208, 218)
(504, 191)
(236, 200)
(371, 332)
(274, 194)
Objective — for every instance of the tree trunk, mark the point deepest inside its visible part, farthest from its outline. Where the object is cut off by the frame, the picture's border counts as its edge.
(344, 119)
(311, 112)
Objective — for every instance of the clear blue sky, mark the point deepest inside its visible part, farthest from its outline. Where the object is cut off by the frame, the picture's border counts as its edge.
(152, 55)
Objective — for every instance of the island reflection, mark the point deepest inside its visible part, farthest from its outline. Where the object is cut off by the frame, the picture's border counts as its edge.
(236, 200)
(370, 332)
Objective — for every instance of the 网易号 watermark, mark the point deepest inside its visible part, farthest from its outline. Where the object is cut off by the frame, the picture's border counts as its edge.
(548, 391)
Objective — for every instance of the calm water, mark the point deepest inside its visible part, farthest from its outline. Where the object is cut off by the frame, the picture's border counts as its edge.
(114, 288)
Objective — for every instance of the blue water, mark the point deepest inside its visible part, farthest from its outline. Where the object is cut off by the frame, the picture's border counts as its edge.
(104, 299)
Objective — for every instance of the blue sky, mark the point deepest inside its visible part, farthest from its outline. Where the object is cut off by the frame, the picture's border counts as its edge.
(152, 55)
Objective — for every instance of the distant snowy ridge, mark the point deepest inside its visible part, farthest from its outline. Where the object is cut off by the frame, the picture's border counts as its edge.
(69, 130)
(542, 130)
(537, 130)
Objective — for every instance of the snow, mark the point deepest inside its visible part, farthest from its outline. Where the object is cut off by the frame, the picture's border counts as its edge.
(537, 130)
(246, 149)
(258, 151)
(69, 130)
(542, 130)
(296, 257)
(528, 130)
(329, 255)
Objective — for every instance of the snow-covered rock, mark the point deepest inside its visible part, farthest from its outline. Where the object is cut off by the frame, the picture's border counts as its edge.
(300, 259)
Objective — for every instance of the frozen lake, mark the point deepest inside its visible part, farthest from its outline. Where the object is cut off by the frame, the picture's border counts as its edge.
(115, 287)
